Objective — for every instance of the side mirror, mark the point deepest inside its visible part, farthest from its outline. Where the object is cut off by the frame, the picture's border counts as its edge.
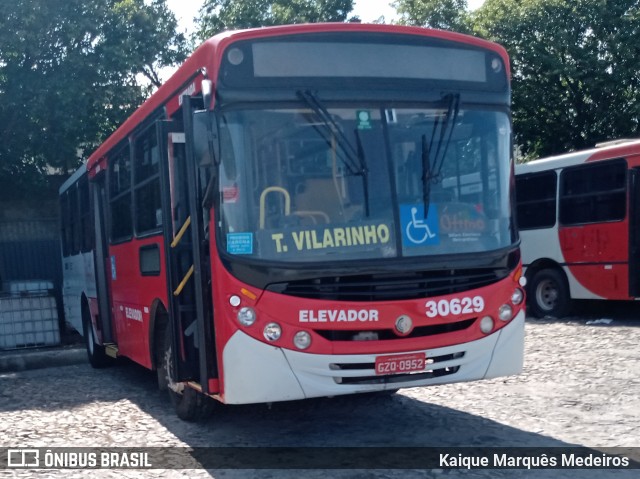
(207, 92)
(205, 138)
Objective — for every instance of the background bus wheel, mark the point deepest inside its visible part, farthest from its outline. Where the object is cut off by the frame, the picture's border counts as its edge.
(190, 405)
(548, 294)
(95, 352)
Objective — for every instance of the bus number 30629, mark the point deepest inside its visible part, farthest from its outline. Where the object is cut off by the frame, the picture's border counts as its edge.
(454, 306)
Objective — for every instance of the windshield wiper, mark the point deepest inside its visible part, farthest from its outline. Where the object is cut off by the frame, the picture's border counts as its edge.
(353, 158)
(426, 176)
(432, 166)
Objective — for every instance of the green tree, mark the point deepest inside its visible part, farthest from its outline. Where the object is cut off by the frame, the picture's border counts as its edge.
(442, 14)
(70, 72)
(575, 67)
(219, 15)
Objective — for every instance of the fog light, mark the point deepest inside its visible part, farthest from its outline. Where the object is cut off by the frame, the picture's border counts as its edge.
(272, 332)
(246, 316)
(486, 324)
(302, 340)
(517, 296)
(505, 312)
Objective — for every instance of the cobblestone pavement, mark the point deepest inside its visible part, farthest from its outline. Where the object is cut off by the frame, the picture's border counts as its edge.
(580, 386)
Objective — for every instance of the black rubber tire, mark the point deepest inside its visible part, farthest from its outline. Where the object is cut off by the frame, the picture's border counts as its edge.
(189, 404)
(95, 352)
(548, 294)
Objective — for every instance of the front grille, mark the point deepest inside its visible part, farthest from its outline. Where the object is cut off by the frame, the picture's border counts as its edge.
(399, 378)
(387, 287)
(387, 334)
(367, 378)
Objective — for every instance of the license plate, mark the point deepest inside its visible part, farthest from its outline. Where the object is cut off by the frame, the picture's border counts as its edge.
(400, 363)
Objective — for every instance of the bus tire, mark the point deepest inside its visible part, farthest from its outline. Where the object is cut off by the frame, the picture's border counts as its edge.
(548, 294)
(189, 404)
(95, 352)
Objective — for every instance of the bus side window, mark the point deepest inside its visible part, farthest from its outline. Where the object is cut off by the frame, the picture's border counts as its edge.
(120, 194)
(146, 183)
(536, 200)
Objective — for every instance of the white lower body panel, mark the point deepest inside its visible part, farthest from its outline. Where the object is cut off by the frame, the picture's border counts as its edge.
(256, 372)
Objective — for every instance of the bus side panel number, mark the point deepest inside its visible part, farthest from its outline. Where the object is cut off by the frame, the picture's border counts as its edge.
(400, 363)
(454, 306)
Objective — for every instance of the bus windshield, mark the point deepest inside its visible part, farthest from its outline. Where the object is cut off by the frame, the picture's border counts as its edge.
(340, 182)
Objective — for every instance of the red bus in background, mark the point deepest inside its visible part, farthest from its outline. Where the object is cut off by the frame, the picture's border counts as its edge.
(577, 215)
(273, 223)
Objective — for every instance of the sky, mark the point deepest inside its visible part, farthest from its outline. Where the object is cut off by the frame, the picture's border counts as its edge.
(367, 10)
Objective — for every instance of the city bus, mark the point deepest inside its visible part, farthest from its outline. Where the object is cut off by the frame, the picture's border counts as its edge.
(272, 225)
(577, 214)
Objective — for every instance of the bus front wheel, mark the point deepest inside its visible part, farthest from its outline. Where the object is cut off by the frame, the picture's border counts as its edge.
(548, 294)
(190, 405)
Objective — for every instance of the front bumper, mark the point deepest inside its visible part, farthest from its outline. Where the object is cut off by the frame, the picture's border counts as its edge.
(255, 372)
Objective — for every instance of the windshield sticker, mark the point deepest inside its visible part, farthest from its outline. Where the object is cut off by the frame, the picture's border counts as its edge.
(462, 222)
(418, 230)
(230, 194)
(453, 223)
(364, 119)
(240, 243)
(323, 239)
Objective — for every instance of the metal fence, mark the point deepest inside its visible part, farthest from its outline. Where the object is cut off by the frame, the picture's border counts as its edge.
(30, 251)
(35, 260)
(30, 255)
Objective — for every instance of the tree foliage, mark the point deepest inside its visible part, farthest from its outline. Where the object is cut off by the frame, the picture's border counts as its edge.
(220, 15)
(69, 74)
(70, 70)
(576, 69)
(442, 14)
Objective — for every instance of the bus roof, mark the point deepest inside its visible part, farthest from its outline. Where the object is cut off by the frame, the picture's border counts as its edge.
(207, 56)
(607, 151)
(72, 179)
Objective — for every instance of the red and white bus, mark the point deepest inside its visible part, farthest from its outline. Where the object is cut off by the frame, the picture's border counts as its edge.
(577, 215)
(272, 223)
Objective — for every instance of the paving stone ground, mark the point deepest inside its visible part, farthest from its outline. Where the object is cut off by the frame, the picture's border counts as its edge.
(580, 386)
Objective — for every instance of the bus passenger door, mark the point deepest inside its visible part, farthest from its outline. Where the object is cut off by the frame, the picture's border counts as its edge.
(192, 349)
(101, 257)
(634, 232)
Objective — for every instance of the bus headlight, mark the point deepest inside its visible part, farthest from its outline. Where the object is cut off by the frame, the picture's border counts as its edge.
(272, 332)
(486, 324)
(517, 296)
(505, 312)
(302, 340)
(246, 316)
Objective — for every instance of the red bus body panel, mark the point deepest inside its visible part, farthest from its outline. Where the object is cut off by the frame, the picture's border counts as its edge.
(133, 295)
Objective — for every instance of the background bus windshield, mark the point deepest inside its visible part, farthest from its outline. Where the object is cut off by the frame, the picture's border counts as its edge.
(319, 183)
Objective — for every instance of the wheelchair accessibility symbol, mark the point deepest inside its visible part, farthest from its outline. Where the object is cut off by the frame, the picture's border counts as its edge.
(416, 230)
